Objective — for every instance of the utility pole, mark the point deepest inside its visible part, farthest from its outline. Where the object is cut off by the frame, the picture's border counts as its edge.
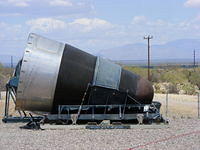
(166, 103)
(198, 105)
(148, 38)
(194, 61)
(11, 62)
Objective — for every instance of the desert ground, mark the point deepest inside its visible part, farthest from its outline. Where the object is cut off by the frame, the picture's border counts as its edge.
(179, 106)
(183, 132)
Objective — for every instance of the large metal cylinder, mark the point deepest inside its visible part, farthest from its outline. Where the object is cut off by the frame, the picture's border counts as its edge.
(54, 73)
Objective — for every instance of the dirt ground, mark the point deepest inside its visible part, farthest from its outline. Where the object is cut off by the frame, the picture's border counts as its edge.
(183, 132)
(184, 106)
(2, 105)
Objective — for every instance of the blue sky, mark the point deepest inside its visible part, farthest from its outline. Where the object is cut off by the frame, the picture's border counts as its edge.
(93, 25)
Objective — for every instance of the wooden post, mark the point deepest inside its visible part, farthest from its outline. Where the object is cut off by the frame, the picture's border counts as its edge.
(148, 38)
(166, 108)
(198, 105)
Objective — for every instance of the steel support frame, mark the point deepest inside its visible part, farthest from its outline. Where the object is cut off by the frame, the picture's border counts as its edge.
(121, 115)
(11, 95)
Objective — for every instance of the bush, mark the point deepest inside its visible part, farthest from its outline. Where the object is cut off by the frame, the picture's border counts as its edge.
(175, 79)
(5, 74)
(137, 70)
(194, 78)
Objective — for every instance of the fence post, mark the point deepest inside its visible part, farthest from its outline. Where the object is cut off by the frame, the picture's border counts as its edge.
(166, 108)
(198, 105)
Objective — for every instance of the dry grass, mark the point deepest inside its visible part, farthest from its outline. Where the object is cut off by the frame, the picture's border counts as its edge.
(11, 106)
(178, 105)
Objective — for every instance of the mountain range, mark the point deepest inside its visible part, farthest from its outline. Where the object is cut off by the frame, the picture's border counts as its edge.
(174, 51)
(182, 49)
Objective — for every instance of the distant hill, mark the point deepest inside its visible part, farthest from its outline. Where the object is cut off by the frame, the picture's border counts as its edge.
(175, 50)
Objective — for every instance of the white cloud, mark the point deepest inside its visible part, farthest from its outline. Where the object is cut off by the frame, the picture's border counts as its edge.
(10, 28)
(9, 14)
(47, 8)
(3, 24)
(142, 20)
(78, 25)
(46, 24)
(96, 33)
(25, 3)
(192, 3)
(139, 19)
(11, 38)
(18, 3)
(193, 24)
(60, 3)
(87, 25)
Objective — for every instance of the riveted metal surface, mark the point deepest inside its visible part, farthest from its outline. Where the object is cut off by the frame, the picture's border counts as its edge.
(107, 74)
(39, 72)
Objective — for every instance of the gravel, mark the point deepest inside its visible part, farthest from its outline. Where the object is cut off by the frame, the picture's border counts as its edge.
(180, 134)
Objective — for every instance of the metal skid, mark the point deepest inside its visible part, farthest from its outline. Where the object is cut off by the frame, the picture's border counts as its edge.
(68, 113)
(141, 113)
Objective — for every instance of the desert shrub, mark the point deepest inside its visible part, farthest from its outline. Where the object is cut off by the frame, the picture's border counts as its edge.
(137, 70)
(194, 78)
(165, 87)
(5, 74)
(1, 66)
(174, 76)
(177, 80)
(156, 75)
(189, 89)
(172, 88)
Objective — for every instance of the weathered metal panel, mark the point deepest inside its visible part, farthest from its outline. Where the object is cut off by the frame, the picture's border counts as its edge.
(39, 72)
(107, 74)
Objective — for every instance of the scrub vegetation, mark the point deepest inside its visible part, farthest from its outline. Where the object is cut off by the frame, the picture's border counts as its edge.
(176, 79)
(5, 74)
